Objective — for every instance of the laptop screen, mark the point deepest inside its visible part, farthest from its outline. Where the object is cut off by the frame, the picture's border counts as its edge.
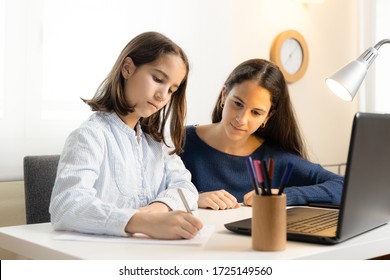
(366, 193)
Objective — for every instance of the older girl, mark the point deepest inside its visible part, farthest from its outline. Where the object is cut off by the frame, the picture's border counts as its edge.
(253, 117)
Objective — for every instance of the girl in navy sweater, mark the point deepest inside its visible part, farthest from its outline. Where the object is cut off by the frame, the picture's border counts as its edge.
(254, 117)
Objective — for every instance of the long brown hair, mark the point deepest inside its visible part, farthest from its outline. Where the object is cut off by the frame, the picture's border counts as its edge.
(282, 127)
(143, 49)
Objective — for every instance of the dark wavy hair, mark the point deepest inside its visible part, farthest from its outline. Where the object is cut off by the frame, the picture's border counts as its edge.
(143, 49)
(282, 127)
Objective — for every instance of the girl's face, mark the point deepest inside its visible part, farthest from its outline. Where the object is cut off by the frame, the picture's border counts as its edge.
(246, 108)
(149, 87)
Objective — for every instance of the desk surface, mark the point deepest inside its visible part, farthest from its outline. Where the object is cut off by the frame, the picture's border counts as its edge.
(37, 242)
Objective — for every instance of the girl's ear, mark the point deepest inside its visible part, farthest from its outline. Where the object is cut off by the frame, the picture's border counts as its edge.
(128, 68)
(270, 114)
(223, 94)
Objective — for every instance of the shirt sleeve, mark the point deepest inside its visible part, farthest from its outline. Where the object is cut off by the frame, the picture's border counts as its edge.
(74, 203)
(177, 176)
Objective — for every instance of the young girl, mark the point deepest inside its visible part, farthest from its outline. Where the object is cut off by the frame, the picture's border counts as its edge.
(253, 117)
(116, 174)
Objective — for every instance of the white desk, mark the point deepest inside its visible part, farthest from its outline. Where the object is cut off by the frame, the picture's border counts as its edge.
(37, 242)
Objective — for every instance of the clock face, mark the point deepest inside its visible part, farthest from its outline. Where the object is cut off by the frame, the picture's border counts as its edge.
(289, 51)
(291, 55)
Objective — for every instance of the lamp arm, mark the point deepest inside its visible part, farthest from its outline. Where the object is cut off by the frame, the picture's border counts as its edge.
(382, 42)
(371, 53)
(346, 82)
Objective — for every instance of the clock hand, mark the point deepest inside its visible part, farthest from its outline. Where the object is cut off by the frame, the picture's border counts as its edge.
(291, 54)
(293, 51)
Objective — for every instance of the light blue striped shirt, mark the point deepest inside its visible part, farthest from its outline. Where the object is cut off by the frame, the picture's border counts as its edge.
(107, 170)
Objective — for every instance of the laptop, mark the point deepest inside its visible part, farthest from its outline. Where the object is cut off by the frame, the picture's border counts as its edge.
(365, 201)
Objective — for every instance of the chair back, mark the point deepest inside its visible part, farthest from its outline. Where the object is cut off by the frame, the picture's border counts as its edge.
(39, 176)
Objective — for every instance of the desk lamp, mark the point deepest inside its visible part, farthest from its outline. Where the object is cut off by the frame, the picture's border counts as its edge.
(346, 82)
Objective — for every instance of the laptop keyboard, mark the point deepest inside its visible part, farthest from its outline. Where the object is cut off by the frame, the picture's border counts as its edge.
(314, 224)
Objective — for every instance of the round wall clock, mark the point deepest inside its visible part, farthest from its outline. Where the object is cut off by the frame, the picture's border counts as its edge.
(289, 51)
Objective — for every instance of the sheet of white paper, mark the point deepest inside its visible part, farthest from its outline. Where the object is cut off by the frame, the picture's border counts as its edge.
(201, 239)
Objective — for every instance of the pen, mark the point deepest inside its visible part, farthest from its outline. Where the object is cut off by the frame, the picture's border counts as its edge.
(271, 165)
(286, 177)
(183, 198)
(252, 174)
(259, 176)
(265, 177)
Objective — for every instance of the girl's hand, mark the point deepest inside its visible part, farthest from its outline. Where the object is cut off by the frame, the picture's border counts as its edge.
(248, 198)
(217, 200)
(170, 225)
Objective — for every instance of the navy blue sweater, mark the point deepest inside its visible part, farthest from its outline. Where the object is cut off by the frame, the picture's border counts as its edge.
(214, 170)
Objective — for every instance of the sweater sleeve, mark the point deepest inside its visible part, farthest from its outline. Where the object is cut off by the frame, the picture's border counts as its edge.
(311, 182)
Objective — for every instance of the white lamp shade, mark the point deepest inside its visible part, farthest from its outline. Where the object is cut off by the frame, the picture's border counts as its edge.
(346, 82)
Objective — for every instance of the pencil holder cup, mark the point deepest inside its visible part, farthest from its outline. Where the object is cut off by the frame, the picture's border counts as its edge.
(269, 228)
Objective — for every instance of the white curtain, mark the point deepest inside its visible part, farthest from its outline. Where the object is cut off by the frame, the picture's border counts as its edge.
(52, 52)
(375, 93)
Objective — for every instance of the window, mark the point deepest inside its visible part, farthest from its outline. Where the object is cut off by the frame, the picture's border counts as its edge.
(382, 93)
(53, 52)
(57, 51)
(376, 92)
(73, 50)
(54, 64)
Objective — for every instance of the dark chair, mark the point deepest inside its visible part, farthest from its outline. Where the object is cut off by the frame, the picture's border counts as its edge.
(39, 176)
